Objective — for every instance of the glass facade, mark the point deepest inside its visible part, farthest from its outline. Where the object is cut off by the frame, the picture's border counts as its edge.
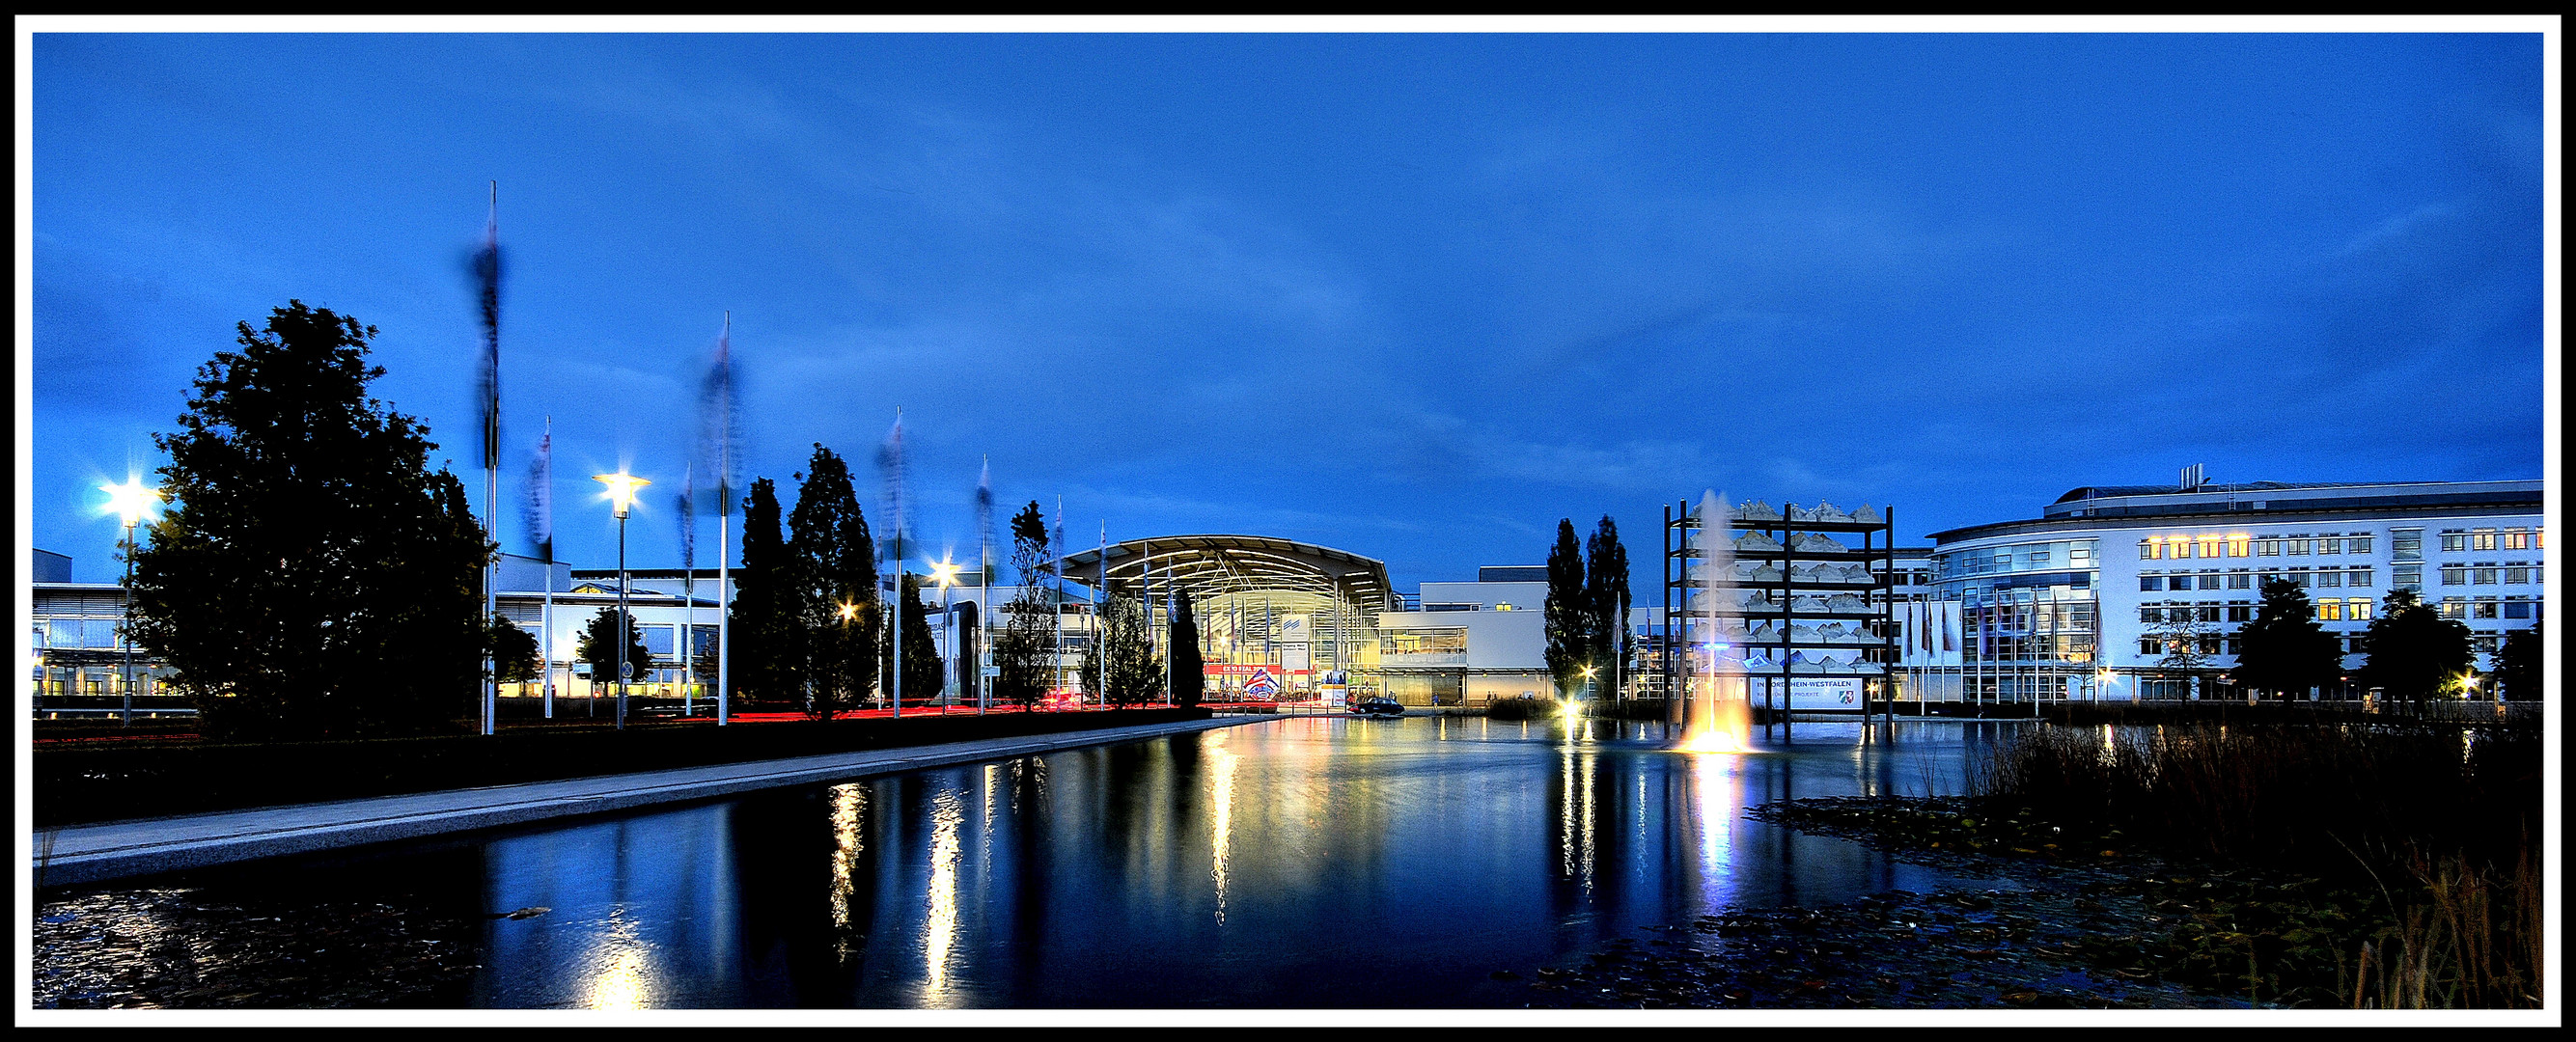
(2030, 603)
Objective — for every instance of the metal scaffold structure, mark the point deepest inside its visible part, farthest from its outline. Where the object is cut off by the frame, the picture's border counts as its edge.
(1800, 603)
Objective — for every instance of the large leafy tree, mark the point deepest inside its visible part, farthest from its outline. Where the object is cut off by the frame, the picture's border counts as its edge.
(1571, 612)
(1606, 587)
(514, 651)
(2414, 653)
(2519, 665)
(1135, 670)
(314, 577)
(598, 649)
(1025, 650)
(2283, 650)
(834, 564)
(1189, 669)
(766, 633)
(2186, 638)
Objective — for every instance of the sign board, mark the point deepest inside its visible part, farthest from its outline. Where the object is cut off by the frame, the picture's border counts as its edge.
(1295, 658)
(1293, 629)
(1823, 693)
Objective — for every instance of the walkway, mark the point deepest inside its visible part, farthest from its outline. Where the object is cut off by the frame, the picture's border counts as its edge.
(118, 849)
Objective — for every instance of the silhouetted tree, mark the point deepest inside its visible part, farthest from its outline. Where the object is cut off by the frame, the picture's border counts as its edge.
(2413, 652)
(514, 651)
(2519, 666)
(2284, 651)
(766, 631)
(313, 577)
(1189, 668)
(598, 648)
(924, 675)
(1606, 587)
(1135, 670)
(1025, 650)
(1571, 613)
(834, 562)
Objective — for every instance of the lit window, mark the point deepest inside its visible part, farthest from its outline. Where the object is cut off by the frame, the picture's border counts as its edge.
(2357, 609)
(2178, 547)
(2454, 608)
(2237, 545)
(2330, 611)
(2539, 539)
(2209, 546)
(2150, 550)
(2482, 539)
(2513, 540)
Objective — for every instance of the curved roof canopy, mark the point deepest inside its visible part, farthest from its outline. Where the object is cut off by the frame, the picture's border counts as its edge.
(1213, 565)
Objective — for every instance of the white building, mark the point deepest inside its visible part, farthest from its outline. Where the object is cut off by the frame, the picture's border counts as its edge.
(2081, 601)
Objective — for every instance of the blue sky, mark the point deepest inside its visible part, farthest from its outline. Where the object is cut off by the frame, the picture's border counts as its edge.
(1413, 296)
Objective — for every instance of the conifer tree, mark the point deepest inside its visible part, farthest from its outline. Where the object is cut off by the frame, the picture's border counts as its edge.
(1189, 668)
(766, 634)
(833, 562)
(2283, 651)
(1571, 612)
(1025, 650)
(2414, 654)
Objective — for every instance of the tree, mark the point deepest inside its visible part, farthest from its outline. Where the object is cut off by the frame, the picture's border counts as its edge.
(1606, 588)
(1135, 670)
(2519, 667)
(924, 675)
(766, 633)
(514, 651)
(833, 562)
(1189, 670)
(2284, 650)
(2413, 652)
(1026, 647)
(598, 647)
(2186, 639)
(313, 577)
(1570, 612)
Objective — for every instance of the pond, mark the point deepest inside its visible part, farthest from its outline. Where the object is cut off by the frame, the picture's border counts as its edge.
(1294, 862)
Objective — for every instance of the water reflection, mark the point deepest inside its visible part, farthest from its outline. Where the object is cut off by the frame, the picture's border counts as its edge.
(1263, 865)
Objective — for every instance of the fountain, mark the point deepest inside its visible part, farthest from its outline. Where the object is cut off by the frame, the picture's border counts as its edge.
(1718, 700)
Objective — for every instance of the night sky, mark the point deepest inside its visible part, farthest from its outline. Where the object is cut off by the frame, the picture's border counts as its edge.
(1412, 296)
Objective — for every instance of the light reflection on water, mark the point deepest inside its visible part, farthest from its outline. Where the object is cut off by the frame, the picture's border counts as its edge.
(1263, 865)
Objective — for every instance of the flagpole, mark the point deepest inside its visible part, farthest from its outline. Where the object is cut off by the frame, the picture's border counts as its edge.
(687, 645)
(547, 653)
(1100, 615)
(724, 521)
(491, 451)
(899, 596)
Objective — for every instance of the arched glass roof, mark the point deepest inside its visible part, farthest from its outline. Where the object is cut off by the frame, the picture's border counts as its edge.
(1214, 565)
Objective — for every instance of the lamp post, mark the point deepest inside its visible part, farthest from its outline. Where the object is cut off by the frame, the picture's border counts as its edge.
(129, 501)
(1587, 682)
(945, 574)
(621, 492)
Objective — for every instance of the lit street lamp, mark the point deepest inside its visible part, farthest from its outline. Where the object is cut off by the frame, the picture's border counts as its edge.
(945, 574)
(621, 491)
(129, 502)
(1587, 682)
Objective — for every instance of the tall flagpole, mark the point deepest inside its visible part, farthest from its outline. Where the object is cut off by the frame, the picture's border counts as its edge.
(1100, 614)
(724, 520)
(488, 267)
(546, 541)
(687, 645)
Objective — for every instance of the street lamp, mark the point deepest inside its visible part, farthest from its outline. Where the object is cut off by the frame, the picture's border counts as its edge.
(129, 502)
(621, 492)
(1587, 683)
(945, 574)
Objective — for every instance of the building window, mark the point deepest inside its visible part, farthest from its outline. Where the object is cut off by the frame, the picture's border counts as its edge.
(2406, 544)
(2406, 575)
(2297, 547)
(2517, 575)
(2483, 610)
(2151, 614)
(2357, 577)
(2455, 544)
(2357, 609)
(2482, 576)
(2329, 546)
(2206, 613)
(2146, 646)
(2357, 545)
(2178, 547)
(2150, 550)
(2517, 609)
(2300, 578)
(2240, 580)
(2209, 546)
(2151, 582)
(2483, 643)
(2238, 546)
(2455, 608)
(2330, 578)
(2453, 575)
(2330, 611)
(2482, 539)
(2240, 613)
(2209, 644)
(2514, 540)
(2356, 645)
(2235, 646)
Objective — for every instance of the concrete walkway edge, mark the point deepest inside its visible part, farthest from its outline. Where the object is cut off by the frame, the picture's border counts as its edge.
(83, 854)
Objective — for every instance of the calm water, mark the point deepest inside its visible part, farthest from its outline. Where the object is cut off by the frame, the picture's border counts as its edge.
(1316, 862)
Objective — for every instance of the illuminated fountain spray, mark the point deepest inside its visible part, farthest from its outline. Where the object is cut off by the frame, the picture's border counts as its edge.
(1720, 706)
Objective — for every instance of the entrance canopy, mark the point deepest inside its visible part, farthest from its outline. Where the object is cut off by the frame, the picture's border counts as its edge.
(1208, 566)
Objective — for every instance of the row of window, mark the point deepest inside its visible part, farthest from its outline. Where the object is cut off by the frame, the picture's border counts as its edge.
(2465, 575)
(2246, 580)
(2182, 547)
(2495, 539)
(2462, 608)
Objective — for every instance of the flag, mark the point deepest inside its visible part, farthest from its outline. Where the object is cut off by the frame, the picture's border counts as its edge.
(487, 283)
(720, 423)
(890, 468)
(539, 509)
(984, 518)
(689, 520)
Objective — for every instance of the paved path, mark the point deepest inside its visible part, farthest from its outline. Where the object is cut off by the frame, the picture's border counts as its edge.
(117, 849)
